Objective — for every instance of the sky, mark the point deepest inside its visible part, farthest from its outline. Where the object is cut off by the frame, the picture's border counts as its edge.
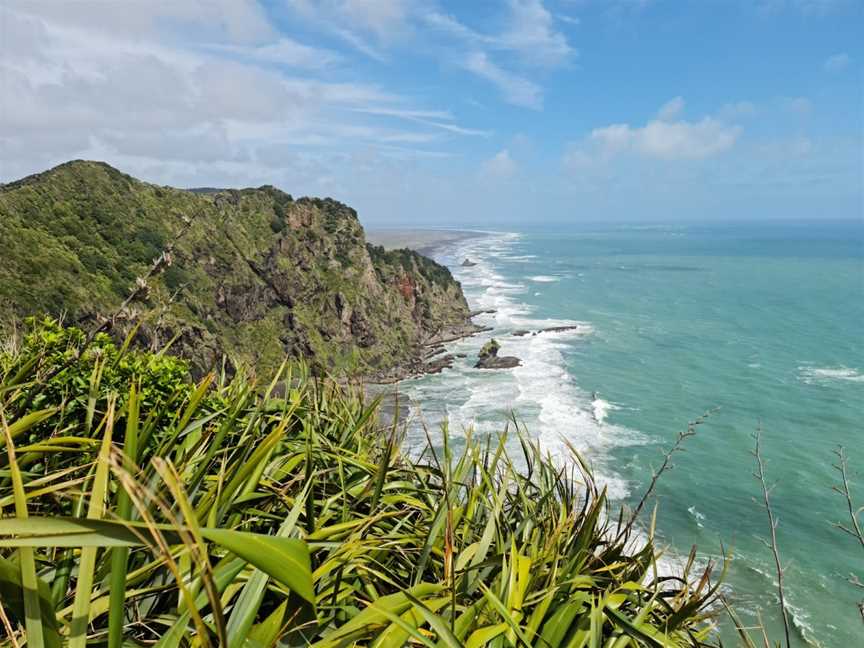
(454, 113)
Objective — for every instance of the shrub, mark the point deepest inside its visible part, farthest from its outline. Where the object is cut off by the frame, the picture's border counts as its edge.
(234, 514)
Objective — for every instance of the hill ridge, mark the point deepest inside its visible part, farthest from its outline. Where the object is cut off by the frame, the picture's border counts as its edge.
(254, 273)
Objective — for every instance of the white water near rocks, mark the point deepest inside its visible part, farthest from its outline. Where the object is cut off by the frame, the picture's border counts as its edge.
(659, 334)
(541, 392)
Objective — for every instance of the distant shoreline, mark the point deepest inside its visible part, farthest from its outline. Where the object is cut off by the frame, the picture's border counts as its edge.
(425, 241)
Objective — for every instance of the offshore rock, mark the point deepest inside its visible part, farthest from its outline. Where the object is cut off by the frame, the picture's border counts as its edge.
(488, 358)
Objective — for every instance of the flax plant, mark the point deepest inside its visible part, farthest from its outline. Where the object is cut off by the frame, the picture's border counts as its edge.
(138, 508)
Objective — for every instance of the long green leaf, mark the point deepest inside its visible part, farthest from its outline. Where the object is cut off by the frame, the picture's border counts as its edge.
(120, 555)
(87, 562)
(283, 559)
(29, 579)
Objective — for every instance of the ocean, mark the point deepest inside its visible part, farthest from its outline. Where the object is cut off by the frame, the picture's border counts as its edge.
(762, 324)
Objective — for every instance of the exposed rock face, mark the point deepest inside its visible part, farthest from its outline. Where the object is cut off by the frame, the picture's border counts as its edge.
(468, 263)
(488, 357)
(255, 274)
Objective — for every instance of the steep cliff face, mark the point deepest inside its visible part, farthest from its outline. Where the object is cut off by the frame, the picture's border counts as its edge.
(252, 274)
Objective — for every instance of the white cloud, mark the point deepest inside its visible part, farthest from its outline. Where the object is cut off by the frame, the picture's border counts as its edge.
(531, 33)
(234, 21)
(671, 109)
(612, 140)
(661, 138)
(285, 51)
(837, 62)
(500, 166)
(517, 90)
(570, 20)
(358, 22)
(436, 118)
(118, 87)
(685, 140)
(529, 36)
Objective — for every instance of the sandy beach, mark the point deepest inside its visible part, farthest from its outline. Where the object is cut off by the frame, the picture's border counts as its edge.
(424, 241)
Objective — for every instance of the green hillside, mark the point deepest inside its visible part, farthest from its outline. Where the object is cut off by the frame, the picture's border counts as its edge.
(252, 273)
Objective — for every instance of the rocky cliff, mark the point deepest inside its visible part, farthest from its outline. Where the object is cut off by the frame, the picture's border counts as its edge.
(251, 274)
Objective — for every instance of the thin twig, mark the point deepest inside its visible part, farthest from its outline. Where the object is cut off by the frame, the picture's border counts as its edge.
(772, 523)
(842, 467)
(666, 465)
(854, 530)
(8, 626)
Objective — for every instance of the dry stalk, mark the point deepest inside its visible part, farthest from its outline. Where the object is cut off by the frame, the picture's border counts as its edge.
(772, 524)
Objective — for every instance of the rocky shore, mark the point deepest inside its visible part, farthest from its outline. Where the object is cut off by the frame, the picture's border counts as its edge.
(432, 357)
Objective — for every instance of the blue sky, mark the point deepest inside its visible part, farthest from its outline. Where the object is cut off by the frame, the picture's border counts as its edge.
(428, 112)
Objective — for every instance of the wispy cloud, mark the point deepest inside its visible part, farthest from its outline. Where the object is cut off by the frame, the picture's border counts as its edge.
(529, 37)
(500, 166)
(517, 90)
(285, 51)
(367, 26)
(529, 33)
(671, 109)
(434, 118)
(223, 94)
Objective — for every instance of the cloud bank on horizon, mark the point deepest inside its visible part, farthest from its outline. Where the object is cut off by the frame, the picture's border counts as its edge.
(445, 112)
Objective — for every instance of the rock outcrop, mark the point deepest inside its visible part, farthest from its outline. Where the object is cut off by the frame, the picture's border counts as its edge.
(251, 274)
(488, 357)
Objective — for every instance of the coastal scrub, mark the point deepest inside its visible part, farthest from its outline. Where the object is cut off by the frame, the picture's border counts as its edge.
(226, 512)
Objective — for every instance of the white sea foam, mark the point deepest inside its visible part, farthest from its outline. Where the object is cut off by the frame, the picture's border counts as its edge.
(600, 409)
(553, 407)
(816, 375)
(696, 516)
(542, 391)
(801, 623)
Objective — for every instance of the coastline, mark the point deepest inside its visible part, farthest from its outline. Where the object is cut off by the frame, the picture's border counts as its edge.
(425, 241)
(432, 357)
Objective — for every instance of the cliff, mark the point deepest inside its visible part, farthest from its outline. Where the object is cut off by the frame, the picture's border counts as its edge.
(251, 274)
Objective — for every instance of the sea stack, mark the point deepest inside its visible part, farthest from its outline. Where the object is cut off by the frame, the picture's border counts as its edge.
(488, 358)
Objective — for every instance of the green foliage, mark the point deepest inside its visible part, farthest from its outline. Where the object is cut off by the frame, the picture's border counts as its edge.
(411, 261)
(226, 514)
(77, 237)
(491, 348)
(70, 366)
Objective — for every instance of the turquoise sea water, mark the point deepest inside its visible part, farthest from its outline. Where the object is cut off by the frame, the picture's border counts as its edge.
(764, 322)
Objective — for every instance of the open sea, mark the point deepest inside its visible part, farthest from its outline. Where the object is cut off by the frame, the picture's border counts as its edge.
(764, 322)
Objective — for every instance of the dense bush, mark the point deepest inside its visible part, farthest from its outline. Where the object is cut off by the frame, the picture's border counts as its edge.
(284, 514)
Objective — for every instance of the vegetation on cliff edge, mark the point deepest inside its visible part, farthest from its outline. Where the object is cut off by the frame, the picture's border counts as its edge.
(140, 508)
(251, 274)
